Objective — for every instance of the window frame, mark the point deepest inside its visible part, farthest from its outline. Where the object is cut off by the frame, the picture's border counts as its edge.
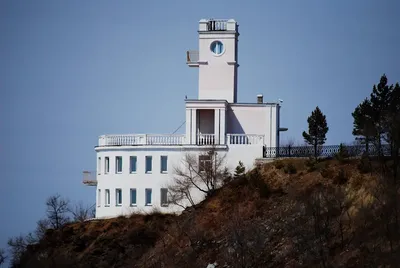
(166, 164)
(99, 165)
(162, 204)
(118, 164)
(107, 198)
(118, 197)
(106, 165)
(130, 164)
(204, 162)
(147, 171)
(221, 48)
(98, 197)
(148, 204)
(131, 203)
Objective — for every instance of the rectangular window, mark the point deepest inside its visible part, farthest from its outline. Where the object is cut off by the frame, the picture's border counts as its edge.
(133, 197)
(164, 164)
(118, 164)
(204, 163)
(149, 163)
(118, 197)
(99, 198)
(148, 197)
(99, 165)
(133, 161)
(164, 197)
(107, 198)
(106, 164)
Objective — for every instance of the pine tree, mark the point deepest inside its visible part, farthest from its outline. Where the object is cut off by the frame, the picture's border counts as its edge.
(240, 170)
(380, 100)
(363, 125)
(317, 129)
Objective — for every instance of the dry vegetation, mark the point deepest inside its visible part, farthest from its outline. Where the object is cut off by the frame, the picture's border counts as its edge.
(290, 213)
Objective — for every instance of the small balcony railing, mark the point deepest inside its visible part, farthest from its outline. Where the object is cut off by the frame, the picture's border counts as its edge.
(244, 139)
(141, 139)
(217, 25)
(205, 139)
(89, 178)
(192, 58)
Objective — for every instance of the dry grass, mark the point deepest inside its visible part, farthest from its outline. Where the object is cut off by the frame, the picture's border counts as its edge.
(266, 199)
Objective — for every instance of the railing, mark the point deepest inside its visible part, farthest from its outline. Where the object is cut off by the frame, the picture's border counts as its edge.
(205, 139)
(192, 57)
(244, 139)
(141, 139)
(324, 151)
(89, 178)
(217, 25)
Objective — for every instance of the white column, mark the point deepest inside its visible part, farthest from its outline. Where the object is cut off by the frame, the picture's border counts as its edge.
(216, 126)
(188, 126)
(194, 127)
(222, 126)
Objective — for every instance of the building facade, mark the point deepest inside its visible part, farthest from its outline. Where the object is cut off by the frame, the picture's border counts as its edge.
(134, 170)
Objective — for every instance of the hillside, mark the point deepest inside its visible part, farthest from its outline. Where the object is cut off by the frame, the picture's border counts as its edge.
(289, 213)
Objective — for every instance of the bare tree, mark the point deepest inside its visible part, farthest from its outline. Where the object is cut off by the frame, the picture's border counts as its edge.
(17, 246)
(81, 213)
(289, 142)
(204, 172)
(3, 256)
(57, 209)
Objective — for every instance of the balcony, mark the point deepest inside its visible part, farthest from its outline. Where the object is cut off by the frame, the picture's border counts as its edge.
(192, 58)
(244, 139)
(140, 139)
(89, 178)
(179, 139)
(205, 139)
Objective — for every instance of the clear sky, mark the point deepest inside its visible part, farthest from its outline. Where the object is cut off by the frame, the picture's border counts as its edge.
(73, 70)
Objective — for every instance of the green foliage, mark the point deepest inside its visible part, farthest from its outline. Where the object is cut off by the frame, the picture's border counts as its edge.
(290, 168)
(342, 154)
(377, 119)
(240, 170)
(317, 129)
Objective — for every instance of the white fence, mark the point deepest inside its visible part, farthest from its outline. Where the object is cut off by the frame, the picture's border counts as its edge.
(179, 139)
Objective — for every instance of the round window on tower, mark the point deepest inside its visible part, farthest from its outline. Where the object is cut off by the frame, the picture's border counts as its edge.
(217, 48)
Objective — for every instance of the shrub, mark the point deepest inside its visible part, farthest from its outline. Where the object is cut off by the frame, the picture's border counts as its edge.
(279, 164)
(326, 172)
(364, 166)
(290, 169)
(256, 181)
(341, 177)
(311, 164)
(342, 154)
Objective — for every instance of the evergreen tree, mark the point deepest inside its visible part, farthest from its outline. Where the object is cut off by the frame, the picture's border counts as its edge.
(240, 170)
(393, 126)
(380, 101)
(317, 129)
(363, 125)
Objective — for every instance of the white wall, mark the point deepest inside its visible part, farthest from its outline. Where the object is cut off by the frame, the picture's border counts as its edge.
(253, 119)
(140, 180)
(156, 180)
(217, 76)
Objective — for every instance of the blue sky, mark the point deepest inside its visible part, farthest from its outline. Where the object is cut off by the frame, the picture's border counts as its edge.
(73, 70)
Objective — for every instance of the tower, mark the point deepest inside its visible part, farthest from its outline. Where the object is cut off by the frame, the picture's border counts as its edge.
(217, 60)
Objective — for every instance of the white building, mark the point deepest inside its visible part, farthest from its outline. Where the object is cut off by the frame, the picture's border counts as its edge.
(133, 170)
